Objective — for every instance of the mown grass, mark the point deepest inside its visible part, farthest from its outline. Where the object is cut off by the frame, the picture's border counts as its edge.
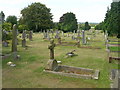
(28, 72)
(114, 48)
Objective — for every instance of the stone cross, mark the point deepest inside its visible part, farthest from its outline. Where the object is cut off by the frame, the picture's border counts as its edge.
(83, 37)
(51, 47)
(14, 38)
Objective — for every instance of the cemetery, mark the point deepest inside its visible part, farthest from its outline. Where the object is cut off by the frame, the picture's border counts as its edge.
(40, 55)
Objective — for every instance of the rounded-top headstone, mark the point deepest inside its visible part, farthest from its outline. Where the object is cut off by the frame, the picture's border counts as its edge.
(52, 65)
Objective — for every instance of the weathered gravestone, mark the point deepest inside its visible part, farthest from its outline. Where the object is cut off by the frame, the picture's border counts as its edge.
(57, 34)
(59, 40)
(48, 36)
(30, 35)
(24, 39)
(14, 42)
(44, 35)
(52, 63)
(5, 43)
(115, 77)
(14, 39)
(24, 34)
(62, 33)
(78, 43)
(83, 37)
(24, 42)
(78, 31)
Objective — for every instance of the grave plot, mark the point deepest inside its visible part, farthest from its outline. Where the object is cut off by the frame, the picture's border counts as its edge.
(77, 72)
(113, 48)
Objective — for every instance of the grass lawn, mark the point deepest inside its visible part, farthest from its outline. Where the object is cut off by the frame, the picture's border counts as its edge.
(28, 72)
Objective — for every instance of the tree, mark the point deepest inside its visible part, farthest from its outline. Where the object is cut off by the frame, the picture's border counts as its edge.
(7, 26)
(12, 20)
(112, 19)
(87, 26)
(37, 17)
(2, 17)
(68, 22)
(22, 27)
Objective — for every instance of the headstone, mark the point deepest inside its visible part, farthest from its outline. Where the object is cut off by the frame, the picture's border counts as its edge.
(51, 47)
(24, 34)
(52, 63)
(78, 43)
(62, 33)
(14, 39)
(57, 34)
(5, 44)
(59, 40)
(24, 42)
(44, 34)
(48, 36)
(30, 35)
(116, 80)
(78, 31)
(83, 37)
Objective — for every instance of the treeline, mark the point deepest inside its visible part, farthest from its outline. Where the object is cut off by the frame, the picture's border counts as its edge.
(111, 22)
(37, 17)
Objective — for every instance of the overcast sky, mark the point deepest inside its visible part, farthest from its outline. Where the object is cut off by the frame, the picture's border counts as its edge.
(85, 10)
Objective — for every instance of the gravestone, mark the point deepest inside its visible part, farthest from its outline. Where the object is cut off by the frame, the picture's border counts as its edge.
(83, 37)
(62, 33)
(59, 40)
(51, 47)
(24, 42)
(24, 34)
(14, 39)
(5, 44)
(30, 35)
(24, 38)
(48, 36)
(52, 63)
(78, 43)
(115, 77)
(14, 42)
(78, 31)
(44, 34)
(57, 34)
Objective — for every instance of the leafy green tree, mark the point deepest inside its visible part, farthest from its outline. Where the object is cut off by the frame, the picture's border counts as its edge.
(37, 17)
(2, 15)
(7, 26)
(68, 22)
(6, 33)
(22, 27)
(12, 20)
(87, 26)
(112, 20)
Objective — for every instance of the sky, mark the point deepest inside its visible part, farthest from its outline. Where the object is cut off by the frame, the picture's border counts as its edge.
(85, 10)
